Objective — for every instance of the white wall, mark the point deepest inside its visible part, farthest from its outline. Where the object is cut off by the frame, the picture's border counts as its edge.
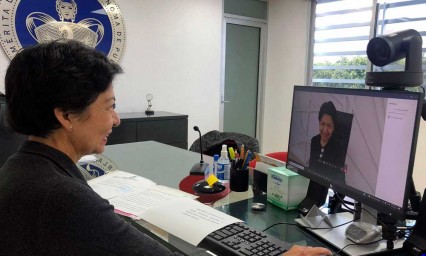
(288, 35)
(173, 51)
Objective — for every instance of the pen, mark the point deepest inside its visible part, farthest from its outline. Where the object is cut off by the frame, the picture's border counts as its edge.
(242, 151)
(257, 157)
(245, 156)
(246, 160)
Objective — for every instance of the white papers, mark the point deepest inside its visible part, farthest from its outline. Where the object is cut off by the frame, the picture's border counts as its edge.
(170, 209)
(188, 219)
(137, 203)
(267, 162)
(131, 194)
(118, 183)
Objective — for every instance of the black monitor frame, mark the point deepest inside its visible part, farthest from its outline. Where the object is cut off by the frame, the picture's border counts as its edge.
(381, 206)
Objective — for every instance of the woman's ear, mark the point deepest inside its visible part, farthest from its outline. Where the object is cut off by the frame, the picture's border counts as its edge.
(63, 118)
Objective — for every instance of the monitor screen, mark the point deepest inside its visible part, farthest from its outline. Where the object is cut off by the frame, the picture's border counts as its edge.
(360, 142)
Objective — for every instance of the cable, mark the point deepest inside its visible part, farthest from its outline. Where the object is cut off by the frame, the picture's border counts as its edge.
(280, 223)
(303, 226)
(346, 246)
(328, 227)
(343, 202)
(374, 216)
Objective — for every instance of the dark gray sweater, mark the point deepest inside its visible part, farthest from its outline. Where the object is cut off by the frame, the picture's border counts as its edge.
(47, 208)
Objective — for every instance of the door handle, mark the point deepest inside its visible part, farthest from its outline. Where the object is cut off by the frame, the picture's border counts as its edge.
(225, 101)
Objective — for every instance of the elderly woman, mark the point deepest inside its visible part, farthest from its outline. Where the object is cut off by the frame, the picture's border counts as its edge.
(60, 94)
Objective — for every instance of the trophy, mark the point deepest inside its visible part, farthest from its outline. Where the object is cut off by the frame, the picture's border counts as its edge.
(148, 111)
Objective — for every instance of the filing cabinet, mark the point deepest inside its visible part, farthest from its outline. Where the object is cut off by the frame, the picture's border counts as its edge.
(165, 127)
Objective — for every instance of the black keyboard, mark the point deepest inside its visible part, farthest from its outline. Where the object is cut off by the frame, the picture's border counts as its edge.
(242, 240)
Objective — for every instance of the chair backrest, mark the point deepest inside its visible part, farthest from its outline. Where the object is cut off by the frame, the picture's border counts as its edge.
(212, 142)
(343, 129)
(9, 140)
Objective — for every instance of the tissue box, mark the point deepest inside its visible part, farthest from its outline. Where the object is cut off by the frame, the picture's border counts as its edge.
(286, 189)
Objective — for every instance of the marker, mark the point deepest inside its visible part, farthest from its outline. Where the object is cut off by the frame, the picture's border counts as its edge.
(231, 153)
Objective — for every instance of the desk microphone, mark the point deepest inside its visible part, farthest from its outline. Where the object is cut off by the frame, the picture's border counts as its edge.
(199, 168)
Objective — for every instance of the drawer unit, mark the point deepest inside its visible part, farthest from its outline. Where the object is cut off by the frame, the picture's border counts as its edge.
(165, 127)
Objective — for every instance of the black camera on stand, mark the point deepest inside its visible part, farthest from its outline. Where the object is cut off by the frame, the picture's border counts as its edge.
(381, 51)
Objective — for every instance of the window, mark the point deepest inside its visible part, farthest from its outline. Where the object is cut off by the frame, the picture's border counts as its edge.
(343, 29)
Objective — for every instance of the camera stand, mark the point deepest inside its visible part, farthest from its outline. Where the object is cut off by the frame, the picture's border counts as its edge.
(381, 51)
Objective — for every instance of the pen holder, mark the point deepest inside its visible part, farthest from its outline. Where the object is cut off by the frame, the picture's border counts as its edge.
(239, 180)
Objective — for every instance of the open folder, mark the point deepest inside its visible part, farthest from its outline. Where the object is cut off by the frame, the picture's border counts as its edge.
(170, 209)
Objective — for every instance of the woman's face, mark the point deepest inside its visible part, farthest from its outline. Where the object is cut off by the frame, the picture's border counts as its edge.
(67, 10)
(326, 127)
(90, 130)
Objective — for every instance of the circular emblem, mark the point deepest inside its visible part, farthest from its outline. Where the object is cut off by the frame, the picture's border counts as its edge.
(96, 23)
(97, 168)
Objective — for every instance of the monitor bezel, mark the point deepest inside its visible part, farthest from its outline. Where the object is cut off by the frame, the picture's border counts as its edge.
(391, 210)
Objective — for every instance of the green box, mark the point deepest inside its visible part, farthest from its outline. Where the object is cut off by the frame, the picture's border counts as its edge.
(286, 189)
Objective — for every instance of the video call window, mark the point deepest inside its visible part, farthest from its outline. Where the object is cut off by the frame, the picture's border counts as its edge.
(374, 132)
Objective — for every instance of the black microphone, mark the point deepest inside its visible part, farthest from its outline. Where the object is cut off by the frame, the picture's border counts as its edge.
(201, 144)
(199, 168)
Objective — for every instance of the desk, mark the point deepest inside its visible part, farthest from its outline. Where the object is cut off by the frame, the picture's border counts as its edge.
(164, 164)
(287, 232)
(167, 165)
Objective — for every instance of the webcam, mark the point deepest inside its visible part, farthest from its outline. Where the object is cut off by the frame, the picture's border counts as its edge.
(385, 49)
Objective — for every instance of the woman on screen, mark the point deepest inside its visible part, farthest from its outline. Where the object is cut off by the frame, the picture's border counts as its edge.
(326, 154)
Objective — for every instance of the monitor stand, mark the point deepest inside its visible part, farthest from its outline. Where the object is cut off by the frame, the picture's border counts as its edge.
(316, 195)
(337, 236)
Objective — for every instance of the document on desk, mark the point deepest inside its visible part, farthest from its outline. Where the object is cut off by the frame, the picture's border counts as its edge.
(131, 194)
(187, 219)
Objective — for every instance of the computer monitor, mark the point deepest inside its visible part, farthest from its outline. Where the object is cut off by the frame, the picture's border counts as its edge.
(359, 142)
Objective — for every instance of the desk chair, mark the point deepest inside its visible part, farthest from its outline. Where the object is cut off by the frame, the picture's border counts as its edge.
(9, 139)
(213, 140)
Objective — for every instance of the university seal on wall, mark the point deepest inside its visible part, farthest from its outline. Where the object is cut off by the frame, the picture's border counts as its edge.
(96, 23)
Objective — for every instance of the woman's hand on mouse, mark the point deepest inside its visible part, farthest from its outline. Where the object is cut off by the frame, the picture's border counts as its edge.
(297, 250)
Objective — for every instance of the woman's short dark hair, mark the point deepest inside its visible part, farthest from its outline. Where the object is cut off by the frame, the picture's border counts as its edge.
(62, 74)
(328, 108)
